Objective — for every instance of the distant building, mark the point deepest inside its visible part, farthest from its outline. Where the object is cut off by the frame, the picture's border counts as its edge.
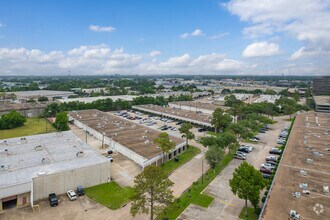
(50, 94)
(321, 86)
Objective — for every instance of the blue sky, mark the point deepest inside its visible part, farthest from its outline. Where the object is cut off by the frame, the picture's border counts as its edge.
(182, 36)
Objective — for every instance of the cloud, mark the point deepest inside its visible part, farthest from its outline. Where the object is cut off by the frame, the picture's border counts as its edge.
(305, 20)
(261, 49)
(101, 28)
(184, 35)
(195, 33)
(155, 53)
(303, 52)
(219, 36)
(101, 59)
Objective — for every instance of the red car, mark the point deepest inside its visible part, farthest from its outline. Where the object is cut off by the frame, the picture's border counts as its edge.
(265, 170)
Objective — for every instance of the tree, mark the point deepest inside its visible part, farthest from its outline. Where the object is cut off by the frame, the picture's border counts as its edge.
(220, 119)
(186, 133)
(61, 122)
(296, 96)
(11, 120)
(214, 155)
(231, 100)
(164, 142)
(43, 99)
(289, 110)
(151, 191)
(247, 182)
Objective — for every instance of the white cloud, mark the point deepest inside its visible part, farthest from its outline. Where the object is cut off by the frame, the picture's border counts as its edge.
(101, 59)
(155, 53)
(219, 36)
(184, 35)
(101, 28)
(195, 33)
(261, 49)
(303, 52)
(305, 20)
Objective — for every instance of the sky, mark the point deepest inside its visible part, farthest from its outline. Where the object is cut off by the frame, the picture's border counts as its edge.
(246, 37)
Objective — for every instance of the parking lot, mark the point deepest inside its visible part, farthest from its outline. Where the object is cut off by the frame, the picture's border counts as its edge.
(226, 205)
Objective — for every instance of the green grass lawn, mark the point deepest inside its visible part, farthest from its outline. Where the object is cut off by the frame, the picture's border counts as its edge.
(110, 194)
(31, 127)
(171, 165)
(194, 193)
(251, 214)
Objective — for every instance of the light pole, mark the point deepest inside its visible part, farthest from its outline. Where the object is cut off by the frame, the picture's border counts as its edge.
(202, 172)
(86, 135)
(103, 139)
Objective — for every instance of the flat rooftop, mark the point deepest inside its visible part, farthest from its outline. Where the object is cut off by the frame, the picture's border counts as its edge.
(198, 104)
(322, 100)
(309, 139)
(22, 106)
(23, 159)
(133, 136)
(92, 99)
(192, 116)
(42, 93)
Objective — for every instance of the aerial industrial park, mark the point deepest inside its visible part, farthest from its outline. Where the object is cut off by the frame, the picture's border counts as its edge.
(165, 110)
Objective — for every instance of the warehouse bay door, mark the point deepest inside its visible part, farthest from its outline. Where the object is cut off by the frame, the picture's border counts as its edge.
(9, 202)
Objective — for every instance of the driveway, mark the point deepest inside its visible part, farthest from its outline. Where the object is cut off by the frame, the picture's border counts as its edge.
(226, 205)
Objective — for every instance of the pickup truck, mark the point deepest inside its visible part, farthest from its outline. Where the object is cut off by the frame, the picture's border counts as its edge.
(53, 200)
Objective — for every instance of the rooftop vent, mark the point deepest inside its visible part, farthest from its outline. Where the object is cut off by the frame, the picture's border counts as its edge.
(146, 141)
(303, 172)
(38, 148)
(80, 154)
(309, 160)
(144, 137)
(45, 160)
(146, 131)
(303, 186)
(115, 134)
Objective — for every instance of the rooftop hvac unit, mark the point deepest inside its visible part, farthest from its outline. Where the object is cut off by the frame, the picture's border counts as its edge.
(45, 160)
(115, 134)
(144, 137)
(303, 186)
(309, 160)
(146, 131)
(303, 172)
(80, 154)
(147, 142)
(38, 148)
(326, 189)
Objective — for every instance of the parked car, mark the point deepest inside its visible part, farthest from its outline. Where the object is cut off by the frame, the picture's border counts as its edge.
(201, 129)
(271, 162)
(240, 157)
(271, 158)
(72, 195)
(275, 150)
(262, 131)
(255, 139)
(266, 176)
(243, 149)
(250, 148)
(53, 200)
(80, 191)
(174, 129)
(265, 170)
(268, 166)
(241, 153)
(179, 123)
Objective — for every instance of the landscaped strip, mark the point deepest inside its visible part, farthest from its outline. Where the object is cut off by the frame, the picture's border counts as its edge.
(183, 158)
(32, 126)
(193, 193)
(251, 214)
(110, 194)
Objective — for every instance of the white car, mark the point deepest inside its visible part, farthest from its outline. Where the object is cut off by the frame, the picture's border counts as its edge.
(72, 195)
(267, 166)
(250, 148)
(254, 139)
(110, 158)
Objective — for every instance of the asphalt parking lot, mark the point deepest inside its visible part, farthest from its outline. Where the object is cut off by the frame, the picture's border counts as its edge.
(226, 205)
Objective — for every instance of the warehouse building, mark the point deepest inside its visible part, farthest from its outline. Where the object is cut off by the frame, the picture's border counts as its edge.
(196, 118)
(130, 139)
(33, 167)
(50, 94)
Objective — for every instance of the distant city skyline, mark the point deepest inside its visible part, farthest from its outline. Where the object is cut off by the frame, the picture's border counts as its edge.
(250, 37)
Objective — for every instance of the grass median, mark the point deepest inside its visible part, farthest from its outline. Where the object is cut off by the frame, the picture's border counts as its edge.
(183, 158)
(110, 195)
(32, 126)
(194, 193)
(251, 214)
